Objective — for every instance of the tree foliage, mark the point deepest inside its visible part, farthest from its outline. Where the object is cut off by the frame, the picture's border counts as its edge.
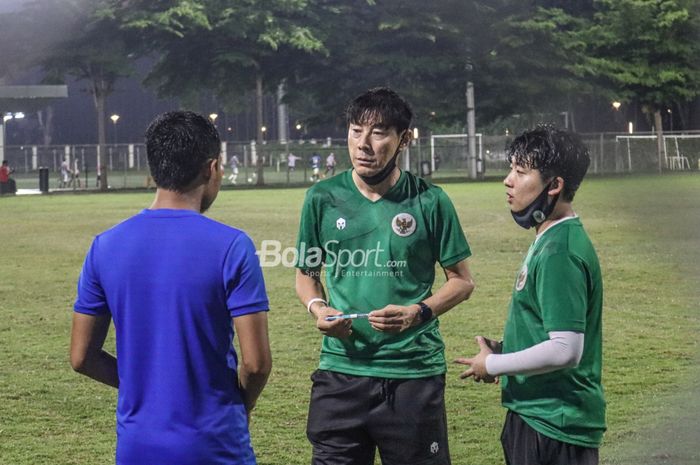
(226, 48)
(218, 45)
(643, 50)
(525, 58)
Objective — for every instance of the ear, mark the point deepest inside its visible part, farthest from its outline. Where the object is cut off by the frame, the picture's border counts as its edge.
(556, 186)
(405, 139)
(211, 168)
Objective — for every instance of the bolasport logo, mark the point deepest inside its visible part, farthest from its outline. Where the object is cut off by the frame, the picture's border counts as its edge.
(344, 262)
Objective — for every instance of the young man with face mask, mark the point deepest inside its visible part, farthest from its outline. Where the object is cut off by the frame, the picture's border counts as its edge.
(550, 358)
(377, 233)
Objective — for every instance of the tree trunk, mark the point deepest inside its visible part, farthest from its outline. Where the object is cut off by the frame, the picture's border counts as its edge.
(682, 109)
(260, 165)
(572, 120)
(99, 97)
(659, 138)
(46, 124)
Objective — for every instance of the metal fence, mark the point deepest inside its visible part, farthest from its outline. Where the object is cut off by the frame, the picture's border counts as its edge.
(444, 157)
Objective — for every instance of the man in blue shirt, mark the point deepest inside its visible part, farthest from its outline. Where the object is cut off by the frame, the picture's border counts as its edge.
(177, 285)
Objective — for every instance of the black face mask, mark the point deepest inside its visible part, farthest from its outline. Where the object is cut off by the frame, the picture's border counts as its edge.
(384, 173)
(538, 211)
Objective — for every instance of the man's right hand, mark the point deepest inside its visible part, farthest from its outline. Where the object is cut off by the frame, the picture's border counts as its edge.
(338, 328)
(477, 363)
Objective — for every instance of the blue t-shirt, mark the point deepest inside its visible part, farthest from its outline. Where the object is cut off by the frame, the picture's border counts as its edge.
(172, 280)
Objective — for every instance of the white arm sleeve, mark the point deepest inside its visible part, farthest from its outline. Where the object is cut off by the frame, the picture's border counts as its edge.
(563, 350)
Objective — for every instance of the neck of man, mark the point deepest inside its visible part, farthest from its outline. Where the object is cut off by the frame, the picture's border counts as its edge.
(167, 199)
(376, 191)
(561, 210)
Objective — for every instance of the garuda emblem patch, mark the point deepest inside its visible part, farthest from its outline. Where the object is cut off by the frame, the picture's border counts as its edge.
(403, 224)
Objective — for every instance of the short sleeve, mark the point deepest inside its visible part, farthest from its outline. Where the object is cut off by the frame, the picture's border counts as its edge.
(562, 292)
(309, 238)
(91, 298)
(450, 244)
(243, 279)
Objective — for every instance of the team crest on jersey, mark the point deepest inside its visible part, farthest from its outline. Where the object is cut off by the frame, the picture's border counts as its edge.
(522, 279)
(340, 223)
(403, 224)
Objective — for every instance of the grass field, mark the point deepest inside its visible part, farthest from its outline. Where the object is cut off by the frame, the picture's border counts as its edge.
(646, 230)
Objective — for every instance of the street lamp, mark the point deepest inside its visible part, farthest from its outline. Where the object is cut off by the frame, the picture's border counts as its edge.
(213, 116)
(263, 130)
(5, 118)
(616, 105)
(115, 118)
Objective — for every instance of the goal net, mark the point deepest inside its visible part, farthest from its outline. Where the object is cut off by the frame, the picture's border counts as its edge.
(449, 154)
(639, 152)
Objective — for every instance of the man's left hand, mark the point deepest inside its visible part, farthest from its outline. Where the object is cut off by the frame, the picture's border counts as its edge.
(395, 318)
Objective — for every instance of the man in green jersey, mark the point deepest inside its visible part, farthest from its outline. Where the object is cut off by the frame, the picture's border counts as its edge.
(551, 355)
(377, 232)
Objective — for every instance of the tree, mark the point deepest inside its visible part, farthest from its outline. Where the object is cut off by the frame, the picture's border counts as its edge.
(221, 46)
(524, 61)
(94, 49)
(420, 49)
(642, 50)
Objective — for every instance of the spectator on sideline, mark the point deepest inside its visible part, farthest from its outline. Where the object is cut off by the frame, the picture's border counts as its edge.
(7, 184)
(75, 175)
(66, 173)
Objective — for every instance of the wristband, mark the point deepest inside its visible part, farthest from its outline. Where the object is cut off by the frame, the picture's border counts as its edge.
(313, 301)
(426, 313)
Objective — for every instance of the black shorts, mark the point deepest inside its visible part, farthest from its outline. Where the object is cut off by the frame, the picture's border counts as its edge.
(351, 416)
(522, 445)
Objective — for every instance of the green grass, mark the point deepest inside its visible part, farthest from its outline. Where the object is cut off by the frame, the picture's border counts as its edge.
(646, 230)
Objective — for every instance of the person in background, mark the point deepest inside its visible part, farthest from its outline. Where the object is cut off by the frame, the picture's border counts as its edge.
(7, 184)
(315, 167)
(66, 174)
(330, 165)
(234, 163)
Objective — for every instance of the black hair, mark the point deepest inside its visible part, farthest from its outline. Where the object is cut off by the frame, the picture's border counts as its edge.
(381, 106)
(178, 145)
(552, 152)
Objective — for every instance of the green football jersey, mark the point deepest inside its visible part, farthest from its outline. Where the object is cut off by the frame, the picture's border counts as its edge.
(375, 254)
(559, 288)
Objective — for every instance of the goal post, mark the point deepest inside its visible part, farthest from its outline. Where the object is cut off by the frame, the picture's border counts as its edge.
(451, 151)
(683, 151)
(679, 151)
